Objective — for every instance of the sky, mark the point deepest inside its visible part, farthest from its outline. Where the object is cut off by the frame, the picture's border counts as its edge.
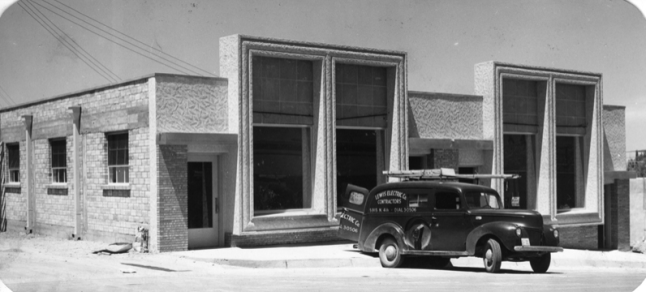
(444, 40)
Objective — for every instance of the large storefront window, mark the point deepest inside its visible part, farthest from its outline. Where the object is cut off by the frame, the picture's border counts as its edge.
(283, 114)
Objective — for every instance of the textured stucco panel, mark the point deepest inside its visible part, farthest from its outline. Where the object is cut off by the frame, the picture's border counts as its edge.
(445, 116)
(191, 105)
(471, 157)
(614, 128)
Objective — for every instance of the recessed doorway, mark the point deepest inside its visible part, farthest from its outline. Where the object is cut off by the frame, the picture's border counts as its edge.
(203, 203)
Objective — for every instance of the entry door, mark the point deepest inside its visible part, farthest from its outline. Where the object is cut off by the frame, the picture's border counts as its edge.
(202, 202)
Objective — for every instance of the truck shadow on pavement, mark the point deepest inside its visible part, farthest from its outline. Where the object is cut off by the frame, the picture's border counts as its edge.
(425, 263)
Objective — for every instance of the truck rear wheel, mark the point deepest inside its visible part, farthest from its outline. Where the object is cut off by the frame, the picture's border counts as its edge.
(541, 264)
(390, 254)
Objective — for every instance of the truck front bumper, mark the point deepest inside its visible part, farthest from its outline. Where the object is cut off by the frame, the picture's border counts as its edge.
(521, 248)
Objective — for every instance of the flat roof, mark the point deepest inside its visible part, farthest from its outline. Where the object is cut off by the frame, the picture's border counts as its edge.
(101, 88)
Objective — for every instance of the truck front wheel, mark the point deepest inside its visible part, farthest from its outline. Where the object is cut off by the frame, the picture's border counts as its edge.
(492, 256)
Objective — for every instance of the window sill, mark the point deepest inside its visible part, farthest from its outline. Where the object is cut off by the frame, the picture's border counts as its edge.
(116, 187)
(12, 185)
(286, 212)
(571, 211)
(57, 186)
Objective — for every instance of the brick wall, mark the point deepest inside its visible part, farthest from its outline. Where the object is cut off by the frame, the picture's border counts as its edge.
(123, 108)
(621, 206)
(113, 214)
(284, 237)
(580, 237)
(173, 197)
(55, 209)
(615, 233)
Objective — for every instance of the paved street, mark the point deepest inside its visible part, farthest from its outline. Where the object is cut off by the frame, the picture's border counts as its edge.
(38, 272)
(372, 279)
(29, 263)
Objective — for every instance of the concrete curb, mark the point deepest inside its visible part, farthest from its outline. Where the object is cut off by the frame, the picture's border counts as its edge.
(296, 263)
(567, 259)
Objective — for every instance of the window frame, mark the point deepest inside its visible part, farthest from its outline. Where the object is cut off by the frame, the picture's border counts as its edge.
(58, 169)
(113, 168)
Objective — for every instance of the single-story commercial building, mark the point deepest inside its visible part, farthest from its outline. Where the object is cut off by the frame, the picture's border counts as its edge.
(260, 155)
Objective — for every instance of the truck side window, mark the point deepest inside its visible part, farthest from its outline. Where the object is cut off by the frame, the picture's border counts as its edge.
(418, 201)
(447, 201)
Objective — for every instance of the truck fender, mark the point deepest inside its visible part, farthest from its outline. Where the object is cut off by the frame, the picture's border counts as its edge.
(548, 236)
(503, 231)
(369, 245)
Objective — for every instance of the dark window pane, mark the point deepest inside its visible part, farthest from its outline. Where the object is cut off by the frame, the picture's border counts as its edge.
(58, 153)
(515, 162)
(356, 159)
(118, 149)
(566, 168)
(200, 195)
(361, 95)
(278, 168)
(305, 71)
(13, 151)
(284, 92)
(570, 105)
(118, 158)
(520, 102)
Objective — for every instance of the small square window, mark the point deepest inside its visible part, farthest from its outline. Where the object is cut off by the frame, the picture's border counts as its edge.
(59, 161)
(118, 167)
(13, 153)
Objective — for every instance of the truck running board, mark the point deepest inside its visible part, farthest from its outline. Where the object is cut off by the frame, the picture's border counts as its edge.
(436, 253)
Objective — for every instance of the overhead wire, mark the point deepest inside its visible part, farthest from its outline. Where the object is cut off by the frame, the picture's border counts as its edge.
(183, 69)
(115, 78)
(62, 40)
(8, 97)
(125, 35)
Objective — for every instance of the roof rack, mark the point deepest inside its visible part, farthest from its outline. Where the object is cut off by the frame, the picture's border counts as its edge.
(443, 174)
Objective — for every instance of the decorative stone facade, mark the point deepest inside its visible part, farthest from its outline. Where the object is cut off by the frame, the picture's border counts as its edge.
(236, 56)
(490, 78)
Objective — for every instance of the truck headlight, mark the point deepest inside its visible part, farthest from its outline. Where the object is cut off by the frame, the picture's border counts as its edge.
(556, 233)
(519, 232)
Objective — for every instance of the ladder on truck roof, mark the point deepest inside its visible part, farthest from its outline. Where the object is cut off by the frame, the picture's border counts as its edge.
(443, 174)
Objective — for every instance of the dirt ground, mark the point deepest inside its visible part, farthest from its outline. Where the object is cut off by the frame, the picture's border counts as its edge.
(12, 242)
(69, 258)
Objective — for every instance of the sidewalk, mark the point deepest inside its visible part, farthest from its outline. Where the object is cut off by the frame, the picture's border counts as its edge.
(344, 255)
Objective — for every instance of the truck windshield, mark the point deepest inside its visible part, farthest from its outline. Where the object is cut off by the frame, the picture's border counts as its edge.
(482, 200)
